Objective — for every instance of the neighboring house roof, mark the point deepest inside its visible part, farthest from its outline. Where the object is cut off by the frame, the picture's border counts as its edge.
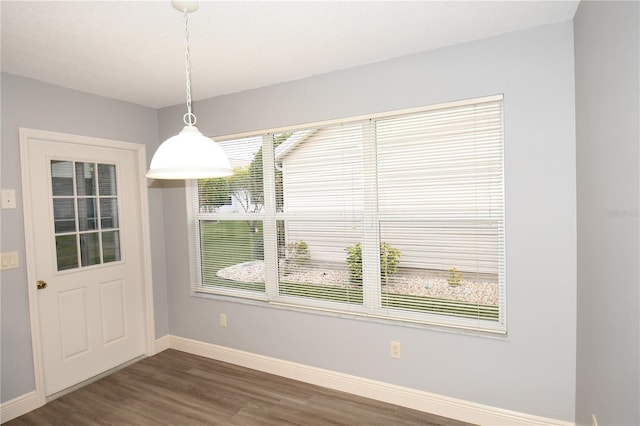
(241, 152)
(291, 143)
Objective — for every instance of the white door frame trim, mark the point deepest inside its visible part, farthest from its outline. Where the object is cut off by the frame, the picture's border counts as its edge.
(143, 211)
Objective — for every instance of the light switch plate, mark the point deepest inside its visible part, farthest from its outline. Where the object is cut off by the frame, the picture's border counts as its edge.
(8, 198)
(10, 260)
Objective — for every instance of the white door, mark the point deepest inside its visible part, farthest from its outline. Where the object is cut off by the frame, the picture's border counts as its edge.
(89, 258)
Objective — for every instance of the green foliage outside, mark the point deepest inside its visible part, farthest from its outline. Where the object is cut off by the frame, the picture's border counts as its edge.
(227, 243)
(434, 305)
(213, 192)
(246, 185)
(389, 259)
(255, 182)
(246, 189)
(298, 252)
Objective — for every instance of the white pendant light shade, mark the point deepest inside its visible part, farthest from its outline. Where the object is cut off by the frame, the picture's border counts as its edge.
(189, 155)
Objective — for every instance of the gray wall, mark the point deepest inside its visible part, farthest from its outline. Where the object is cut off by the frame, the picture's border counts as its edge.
(608, 139)
(33, 104)
(532, 370)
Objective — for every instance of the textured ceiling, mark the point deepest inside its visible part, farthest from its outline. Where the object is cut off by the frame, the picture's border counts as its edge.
(134, 50)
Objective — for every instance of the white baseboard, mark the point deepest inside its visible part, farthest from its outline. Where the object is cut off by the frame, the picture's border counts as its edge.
(161, 344)
(406, 397)
(18, 406)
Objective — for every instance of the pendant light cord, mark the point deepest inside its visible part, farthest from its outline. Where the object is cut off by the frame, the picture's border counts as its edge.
(189, 118)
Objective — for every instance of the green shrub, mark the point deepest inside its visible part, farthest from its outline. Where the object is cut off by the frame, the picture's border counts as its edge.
(455, 277)
(389, 259)
(298, 252)
(354, 262)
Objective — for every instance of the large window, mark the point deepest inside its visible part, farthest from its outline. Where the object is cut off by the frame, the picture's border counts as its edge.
(397, 216)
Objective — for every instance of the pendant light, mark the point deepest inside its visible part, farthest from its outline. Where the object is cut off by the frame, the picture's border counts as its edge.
(189, 154)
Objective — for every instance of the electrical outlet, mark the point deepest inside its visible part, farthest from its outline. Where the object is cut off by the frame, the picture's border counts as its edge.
(395, 350)
(223, 320)
(594, 420)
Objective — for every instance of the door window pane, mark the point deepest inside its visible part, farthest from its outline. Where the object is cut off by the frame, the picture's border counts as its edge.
(107, 179)
(61, 178)
(64, 215)
(90, 249)
(87, 214)
(66, 252)
(108, 213)
(85, 205)
(85, 179)
(111, 246)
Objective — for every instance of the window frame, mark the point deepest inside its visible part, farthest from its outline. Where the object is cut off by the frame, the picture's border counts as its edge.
(372, 294)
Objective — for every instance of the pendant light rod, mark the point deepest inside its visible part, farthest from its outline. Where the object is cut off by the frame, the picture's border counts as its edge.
(189, 118)
(189, 154)
(187, 7)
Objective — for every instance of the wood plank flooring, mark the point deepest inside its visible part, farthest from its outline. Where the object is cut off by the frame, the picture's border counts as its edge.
(179, 389)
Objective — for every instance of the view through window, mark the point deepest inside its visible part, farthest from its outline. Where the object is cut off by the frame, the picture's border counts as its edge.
(396, 216)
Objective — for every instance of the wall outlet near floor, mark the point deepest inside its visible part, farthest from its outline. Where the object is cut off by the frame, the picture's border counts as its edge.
(223, 320)
(395, 350)
(594, 420)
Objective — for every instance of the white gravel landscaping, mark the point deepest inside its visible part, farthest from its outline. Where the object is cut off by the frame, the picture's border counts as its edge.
(481, 292)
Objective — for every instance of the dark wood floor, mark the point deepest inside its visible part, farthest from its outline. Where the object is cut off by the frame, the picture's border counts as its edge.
(176, 388)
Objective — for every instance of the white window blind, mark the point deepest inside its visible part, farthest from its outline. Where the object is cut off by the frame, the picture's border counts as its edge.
(397, 216)
(440, 202)
(321, 215)
(227, 243)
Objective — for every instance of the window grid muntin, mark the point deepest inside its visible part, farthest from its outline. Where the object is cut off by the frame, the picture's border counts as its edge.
(74, 199)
